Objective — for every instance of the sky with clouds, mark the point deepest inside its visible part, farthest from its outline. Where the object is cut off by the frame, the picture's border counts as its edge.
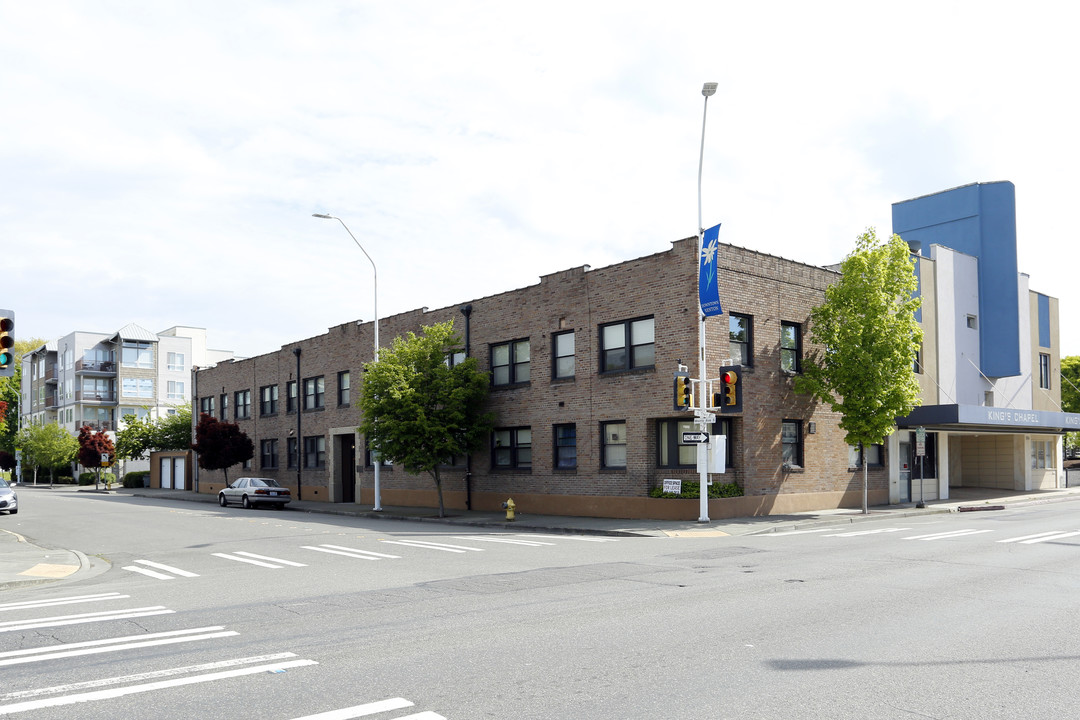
(160, 162)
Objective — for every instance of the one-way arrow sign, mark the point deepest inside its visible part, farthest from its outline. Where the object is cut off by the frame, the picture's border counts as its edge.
(694, 437)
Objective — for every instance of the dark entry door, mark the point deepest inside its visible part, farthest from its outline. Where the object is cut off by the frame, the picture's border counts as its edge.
(347, 467)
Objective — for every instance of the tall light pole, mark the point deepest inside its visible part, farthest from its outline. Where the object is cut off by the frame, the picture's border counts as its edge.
(703, 475)
(375, 284)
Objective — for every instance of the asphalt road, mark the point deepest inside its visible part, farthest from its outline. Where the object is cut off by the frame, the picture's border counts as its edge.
(229, 613)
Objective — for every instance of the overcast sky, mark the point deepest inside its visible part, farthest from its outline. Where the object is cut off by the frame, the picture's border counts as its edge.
(160, 161)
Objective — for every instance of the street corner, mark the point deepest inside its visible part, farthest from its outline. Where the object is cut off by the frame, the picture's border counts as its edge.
(22, 563)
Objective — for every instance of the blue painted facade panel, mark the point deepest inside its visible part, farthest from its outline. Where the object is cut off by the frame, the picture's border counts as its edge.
(1044, 321)
(979, 220)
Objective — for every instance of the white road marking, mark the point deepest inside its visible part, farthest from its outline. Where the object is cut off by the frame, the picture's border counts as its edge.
(149, 573)
(583, 538)
(61, 620)
(167, 568)
(1029, 537)
(508, 541)
(426, 715)
(30, 604)
(73, 649)
(433, 545)
(249, 561)
(351, 552)
(147, 687)
(150, 675)
(877, 531)
(361, 710)
(269, 559)
(947, 535)
(1058, 536)
(796, 532)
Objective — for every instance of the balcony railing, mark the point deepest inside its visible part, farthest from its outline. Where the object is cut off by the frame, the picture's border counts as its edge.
(105, 397)
(97, 426)
(95, 366)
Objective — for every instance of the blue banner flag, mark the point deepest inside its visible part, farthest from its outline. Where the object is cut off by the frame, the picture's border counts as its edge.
(708, 282)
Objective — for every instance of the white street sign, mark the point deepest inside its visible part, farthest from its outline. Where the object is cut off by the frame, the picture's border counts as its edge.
(694, 437)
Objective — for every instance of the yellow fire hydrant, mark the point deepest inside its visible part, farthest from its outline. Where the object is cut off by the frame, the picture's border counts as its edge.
(509, 506)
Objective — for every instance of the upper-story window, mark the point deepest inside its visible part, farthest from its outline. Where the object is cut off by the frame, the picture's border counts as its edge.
(314, 392)
(343, 388)
(740, 338)
(174, 390)
(1044, 371)
(176, 361)
(243, 404)
(268, 399)
(224, 407)
(137, 354)
(206, 405)
(290, 396)
(510, 362)
(790, 347)
(563, 354)
(627, 345)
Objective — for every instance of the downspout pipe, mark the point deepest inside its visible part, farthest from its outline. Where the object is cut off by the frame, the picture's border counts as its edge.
(466, 310)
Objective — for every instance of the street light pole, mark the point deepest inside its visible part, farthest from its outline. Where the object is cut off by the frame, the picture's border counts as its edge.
(375, 283)
(703, 474)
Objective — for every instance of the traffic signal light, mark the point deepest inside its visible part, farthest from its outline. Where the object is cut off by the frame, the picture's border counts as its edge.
(684, 392)
(729, 399)
(7, 343)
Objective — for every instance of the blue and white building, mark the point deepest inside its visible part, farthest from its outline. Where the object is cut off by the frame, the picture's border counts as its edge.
(990, 363)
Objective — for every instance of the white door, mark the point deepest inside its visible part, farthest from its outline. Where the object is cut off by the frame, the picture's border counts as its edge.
(166, 472)
(180, 473)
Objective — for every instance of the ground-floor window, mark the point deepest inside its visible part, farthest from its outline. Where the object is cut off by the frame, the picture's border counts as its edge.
(1042, 454)
(791, 440)
(872, 454)
(673, 452)
(613, 444)
(565, 447)
(511, 448)
(315, 452)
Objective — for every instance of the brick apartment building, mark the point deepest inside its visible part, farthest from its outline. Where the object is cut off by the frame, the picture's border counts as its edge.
(582, 368)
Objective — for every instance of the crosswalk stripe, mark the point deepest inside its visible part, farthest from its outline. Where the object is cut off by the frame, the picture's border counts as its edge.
(426, 715)
(249, 561)
(147, 687)
(62, 620)
(107, 641)
(350, 552)
(1029, 537)
(139, 677)
(947, 535)
(433, 545)
(39, 657)
(149, 573)
(582, 538)
(855, 533)
(269, 559)
(1058, 536)
(508, 541)
(796, 532)
(30, 604)
(167, 568)
(361, 710)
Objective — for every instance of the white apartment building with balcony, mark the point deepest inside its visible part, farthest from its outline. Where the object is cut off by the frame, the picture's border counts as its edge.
(96, 379)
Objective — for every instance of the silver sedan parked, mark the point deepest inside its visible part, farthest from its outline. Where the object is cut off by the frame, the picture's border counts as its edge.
(254, 491)
(9, 501)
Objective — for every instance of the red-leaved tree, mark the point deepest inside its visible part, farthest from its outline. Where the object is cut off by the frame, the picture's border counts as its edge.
(94, 445)
(221, 445)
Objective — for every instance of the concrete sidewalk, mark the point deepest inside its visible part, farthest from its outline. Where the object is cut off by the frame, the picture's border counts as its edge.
(23, 563)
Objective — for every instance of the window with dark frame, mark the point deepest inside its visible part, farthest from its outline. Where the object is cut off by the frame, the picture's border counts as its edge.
(510, 362)
(740, 338)
(314, 393)
(242, 409)
(873, 454)
(224, 407)
(791, 441)
(290, 396)
(1044, 371)
(206, 405)
(563, 355)
(315, 452)
(673, 453)
(613, 445)
(290, 450)
(790, 347)
(268, 400)
(511, 448)
(268, 457)
(343, 388)
(628, 345)
(565, 446)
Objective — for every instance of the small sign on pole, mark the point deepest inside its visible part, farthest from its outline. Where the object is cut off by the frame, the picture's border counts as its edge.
(689, 438)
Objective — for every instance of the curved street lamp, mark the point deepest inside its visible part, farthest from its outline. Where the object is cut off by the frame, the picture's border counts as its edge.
(707, 90)
(375, 283)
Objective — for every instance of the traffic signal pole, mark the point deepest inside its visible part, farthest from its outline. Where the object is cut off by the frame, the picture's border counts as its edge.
(701, 412)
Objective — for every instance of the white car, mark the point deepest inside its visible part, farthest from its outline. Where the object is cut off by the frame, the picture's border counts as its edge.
(254, 491)
(9, 501)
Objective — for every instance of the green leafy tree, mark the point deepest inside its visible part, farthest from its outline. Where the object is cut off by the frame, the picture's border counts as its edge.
(47, 446)
(1070, 383)
(221, 445)
(419, 412)
(140, 436)
(868, 330)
